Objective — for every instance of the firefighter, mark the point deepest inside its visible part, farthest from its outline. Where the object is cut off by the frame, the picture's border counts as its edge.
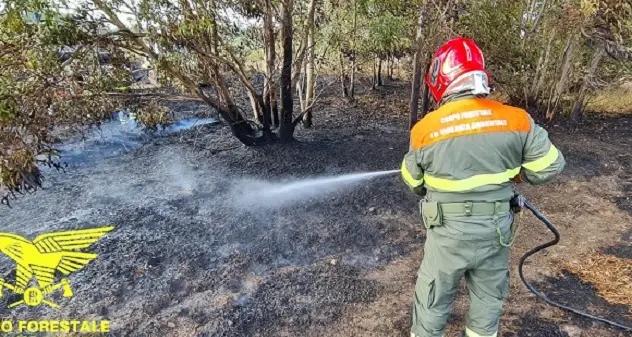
(464, 161)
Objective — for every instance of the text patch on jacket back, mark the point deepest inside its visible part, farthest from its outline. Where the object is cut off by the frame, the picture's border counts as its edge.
(468, 117)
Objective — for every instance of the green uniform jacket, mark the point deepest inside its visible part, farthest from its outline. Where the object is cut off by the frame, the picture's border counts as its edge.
(473, 149)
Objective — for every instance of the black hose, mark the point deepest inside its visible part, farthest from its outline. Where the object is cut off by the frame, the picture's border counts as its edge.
(552, 228)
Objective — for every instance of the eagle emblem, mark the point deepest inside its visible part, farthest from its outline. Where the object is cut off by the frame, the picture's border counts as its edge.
(42, 258)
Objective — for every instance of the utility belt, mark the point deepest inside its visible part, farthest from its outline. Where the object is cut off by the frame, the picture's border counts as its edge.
(432, 212)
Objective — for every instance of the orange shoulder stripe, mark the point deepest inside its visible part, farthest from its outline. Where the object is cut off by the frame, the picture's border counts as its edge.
(468, 117)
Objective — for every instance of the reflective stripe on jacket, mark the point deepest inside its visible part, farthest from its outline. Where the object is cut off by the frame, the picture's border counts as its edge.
(475, 147)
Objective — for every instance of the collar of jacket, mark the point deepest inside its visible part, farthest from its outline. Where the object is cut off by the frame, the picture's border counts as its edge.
(460, 96)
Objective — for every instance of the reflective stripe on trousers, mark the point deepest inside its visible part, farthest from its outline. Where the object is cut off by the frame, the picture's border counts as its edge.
(468, 333)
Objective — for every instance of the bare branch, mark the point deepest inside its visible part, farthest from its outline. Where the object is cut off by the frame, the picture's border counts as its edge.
(302, 52)
(310, 106)
(167, 65)
(537, 19)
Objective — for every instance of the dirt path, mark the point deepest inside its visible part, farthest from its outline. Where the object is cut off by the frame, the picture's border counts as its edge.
(187, 259)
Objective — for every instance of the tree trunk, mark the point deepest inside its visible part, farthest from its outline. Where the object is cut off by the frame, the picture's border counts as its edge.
(352, 78)
(299, 54)
(343, 77)
(274, 107)
(417, 69)
(239, 127)
(374, 79)
(256, 107)
(554, 98)
(270, 103)
(578, 109)
(353, 51)
(286, 131)
(270, 54)
(309, 80)
(220, 82)
(540, 74)
(300, 91)
(543, 7)
(391, 65)
(379, 72)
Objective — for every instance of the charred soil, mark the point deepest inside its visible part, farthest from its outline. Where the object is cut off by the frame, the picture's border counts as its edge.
(187, 259)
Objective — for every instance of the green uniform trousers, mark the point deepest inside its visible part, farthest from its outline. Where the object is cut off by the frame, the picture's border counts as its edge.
(467, 247)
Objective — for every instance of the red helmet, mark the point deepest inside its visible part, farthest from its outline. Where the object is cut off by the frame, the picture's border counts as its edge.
(458, 66)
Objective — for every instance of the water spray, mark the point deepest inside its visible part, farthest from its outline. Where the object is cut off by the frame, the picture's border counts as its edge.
(251, 194)
(323, 183)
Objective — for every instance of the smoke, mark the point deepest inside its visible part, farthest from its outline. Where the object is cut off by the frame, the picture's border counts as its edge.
(181, 176)
(173, 177)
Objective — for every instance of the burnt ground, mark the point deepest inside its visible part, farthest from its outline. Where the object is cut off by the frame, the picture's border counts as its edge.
(189, 257)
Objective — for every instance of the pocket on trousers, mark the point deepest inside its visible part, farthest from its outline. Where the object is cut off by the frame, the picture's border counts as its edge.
(430, 293)
(504, 287)
(431, 214)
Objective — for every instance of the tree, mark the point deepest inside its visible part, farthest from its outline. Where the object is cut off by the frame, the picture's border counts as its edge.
(52, 72)
(547, 57)
(186, 31)
(287, 127)
(269, 38)
(75, 70)
(607, 27)
(433, 27)
(417, 66)
(306, 87)
(336, 29)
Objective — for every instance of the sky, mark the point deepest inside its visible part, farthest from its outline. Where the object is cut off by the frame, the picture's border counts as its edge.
(129, 19)
(74, 4)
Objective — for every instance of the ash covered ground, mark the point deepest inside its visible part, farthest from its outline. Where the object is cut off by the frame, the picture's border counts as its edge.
(199, 250)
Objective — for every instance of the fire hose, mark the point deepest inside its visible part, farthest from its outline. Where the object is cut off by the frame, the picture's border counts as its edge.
(524, 202)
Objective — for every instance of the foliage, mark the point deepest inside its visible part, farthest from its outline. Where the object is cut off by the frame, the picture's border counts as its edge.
(525, 44)
(58, 69)
(497, 23)
(51, 74)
